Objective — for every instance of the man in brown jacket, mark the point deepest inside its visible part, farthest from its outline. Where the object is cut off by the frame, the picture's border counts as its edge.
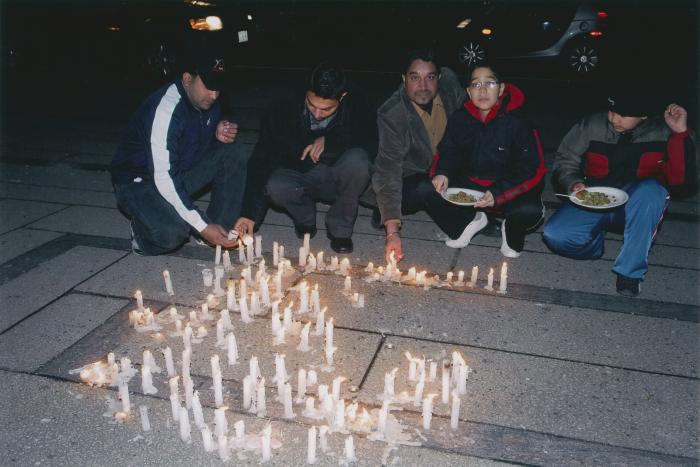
(411, 124)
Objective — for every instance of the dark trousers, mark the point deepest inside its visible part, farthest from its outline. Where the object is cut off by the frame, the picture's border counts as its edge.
(521, 214)
(158, 228)
(339, 185)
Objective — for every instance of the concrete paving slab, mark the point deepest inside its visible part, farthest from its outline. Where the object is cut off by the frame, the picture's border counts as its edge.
(662, 283)
(58, 326)
(519, 326)
(48, 416)
(105, 222)
(623, 408)
(90, 159)
(18, 213)
(24, 295)
(17, 242)
(56, 176)
(57, 195)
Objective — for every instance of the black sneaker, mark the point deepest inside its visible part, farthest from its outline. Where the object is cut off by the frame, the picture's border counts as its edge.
(300, 230)
(627, 286)
(340, 245)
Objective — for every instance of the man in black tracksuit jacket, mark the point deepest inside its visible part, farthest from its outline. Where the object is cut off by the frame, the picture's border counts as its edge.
(313, 146)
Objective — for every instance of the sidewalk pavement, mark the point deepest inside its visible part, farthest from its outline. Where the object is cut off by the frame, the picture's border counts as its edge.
(565, 371)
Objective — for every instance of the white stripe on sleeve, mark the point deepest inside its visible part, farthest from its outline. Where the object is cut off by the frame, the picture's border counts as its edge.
(161, 158)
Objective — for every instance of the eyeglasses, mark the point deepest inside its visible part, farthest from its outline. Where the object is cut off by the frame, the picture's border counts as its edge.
(486, 84)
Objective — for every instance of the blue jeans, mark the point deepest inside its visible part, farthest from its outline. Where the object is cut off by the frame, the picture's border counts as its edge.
(158, 228)
(339, 185)
(580, 233)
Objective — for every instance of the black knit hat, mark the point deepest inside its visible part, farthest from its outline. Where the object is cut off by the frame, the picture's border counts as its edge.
(630, 101)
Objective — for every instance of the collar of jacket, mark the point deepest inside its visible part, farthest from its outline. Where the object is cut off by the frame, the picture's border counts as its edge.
(512, 98)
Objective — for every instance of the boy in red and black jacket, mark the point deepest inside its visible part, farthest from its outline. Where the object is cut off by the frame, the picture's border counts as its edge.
(629, 149)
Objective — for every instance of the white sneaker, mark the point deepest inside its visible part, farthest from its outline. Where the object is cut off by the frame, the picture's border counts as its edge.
(480, 221)
(507, 251)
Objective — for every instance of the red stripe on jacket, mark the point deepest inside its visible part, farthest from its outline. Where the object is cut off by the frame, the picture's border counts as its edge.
(530, 183)
(675, 166)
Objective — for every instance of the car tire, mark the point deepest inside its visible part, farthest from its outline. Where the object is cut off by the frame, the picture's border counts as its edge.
(582, 57)
(471, 53)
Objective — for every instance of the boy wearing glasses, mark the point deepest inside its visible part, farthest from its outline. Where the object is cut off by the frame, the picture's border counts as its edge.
(489, 148)
(622, 148)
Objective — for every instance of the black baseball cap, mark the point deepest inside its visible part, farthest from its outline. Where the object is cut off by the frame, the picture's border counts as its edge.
(209, 65)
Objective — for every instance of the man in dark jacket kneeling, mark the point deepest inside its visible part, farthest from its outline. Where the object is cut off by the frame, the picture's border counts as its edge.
(313, 146)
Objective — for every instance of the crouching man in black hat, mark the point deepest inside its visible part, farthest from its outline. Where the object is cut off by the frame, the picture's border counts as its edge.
(175, 145)
(630, 149)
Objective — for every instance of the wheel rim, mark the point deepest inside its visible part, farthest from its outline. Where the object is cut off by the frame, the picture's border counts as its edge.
(584, 59)
(161, 60)
(471, 53)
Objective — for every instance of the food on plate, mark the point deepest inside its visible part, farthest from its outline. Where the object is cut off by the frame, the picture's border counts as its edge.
(593, 198)
(462, 197)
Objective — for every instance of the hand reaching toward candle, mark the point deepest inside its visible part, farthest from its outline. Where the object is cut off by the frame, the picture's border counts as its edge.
(486, 201)
(226, 131)
(215, 234)
(244, 226)
(314, 150)
(440, 183)
(393, 243)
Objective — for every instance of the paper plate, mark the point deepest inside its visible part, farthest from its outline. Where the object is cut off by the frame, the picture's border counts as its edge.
(617, 197)
(453, 191)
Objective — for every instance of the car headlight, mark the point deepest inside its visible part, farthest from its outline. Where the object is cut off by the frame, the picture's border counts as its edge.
(210, 23)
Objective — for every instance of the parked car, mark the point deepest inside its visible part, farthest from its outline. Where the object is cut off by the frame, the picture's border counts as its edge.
(569, 32)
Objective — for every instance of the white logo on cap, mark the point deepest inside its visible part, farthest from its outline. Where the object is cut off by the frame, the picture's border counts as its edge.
(611, 101)
(219, 65)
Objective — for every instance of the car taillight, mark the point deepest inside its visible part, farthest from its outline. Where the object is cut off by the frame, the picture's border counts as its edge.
(602, 14)
(596, 33)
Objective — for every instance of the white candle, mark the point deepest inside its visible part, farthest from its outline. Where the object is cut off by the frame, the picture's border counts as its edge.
(350, 450)
(220, 339)
(320, 321)
(275, 254)
(302, 256)
(348, 284)
(187, 337)
(278, 283)
(254, 368)
(239, 426)
(262, 408)
(207, 439)
(383, 415)
(241, 253)
(232, 348)
(230, 297)
(304, 339)
(361, 301)
(279, 336)
(315, 300)
(307, 242)
(139, 300)
(250, 253)
(460, 278)
(265, 441)
(427, 411)
(243, 287)
(489, 285)
(223, 447)
(433, 371)
(418, 395)
(336, 387)
(454, 415)
(226, 260)
(503, 284)
(124, 396)
(389, 379)
(334, 263)
(323, 440)
(462, 382)
(147, 380)
(217, 256)
(245, 316)
(281, 252)
(412, 273)
(216, 378)
(197, 412)
(412, 368)
(340, 414)
(301, 385)
(184, 420)
(220, 422)
(175, 406)
(168, 283)
(311, 446)
(475, 275)
(319, 261)
(345, 267)
(258, 246)
(311, 263)
(288, 412)
(174, 387)
(311, 377)
(247, 392)
(254, 304)
(169, 364)
(264, 292)
(145, 422)
(445, 382)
